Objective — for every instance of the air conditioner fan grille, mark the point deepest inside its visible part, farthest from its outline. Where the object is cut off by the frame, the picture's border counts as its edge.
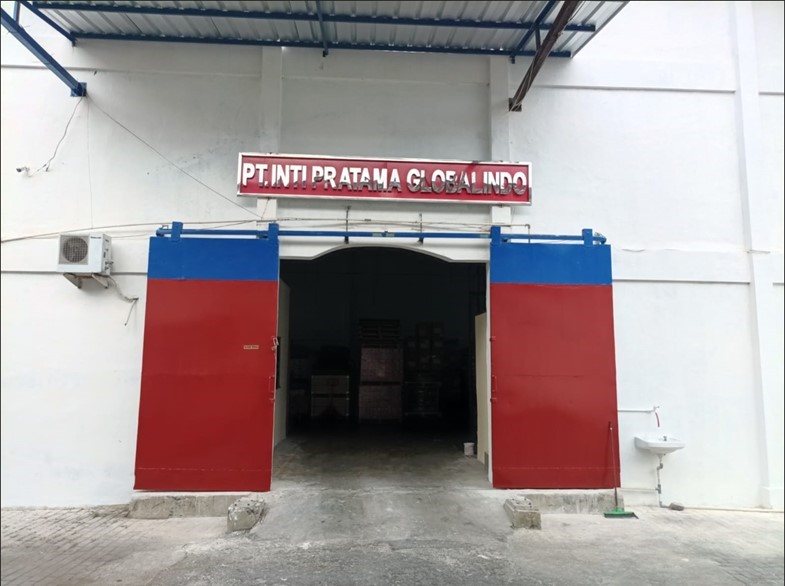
(75, 250)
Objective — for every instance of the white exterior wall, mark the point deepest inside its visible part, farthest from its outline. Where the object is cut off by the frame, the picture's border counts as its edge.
(649, 136)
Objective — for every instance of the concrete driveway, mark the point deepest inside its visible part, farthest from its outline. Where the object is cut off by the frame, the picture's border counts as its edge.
(417, 535)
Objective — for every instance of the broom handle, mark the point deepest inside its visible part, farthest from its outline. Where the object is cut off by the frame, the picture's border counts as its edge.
(616, 479)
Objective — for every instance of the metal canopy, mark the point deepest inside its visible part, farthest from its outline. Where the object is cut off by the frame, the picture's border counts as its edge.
(510, 28)
(464, 27)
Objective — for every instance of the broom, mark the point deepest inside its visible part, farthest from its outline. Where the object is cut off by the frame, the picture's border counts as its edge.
(617, 512)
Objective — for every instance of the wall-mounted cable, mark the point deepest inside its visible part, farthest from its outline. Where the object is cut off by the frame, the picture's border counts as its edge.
(129, 299)
(171, 162)
(45, 166)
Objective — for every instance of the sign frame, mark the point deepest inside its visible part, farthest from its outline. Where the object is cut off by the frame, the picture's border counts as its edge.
(363, 196)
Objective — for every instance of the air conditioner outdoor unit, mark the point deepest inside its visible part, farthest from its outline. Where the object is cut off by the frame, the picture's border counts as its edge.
(85, 255)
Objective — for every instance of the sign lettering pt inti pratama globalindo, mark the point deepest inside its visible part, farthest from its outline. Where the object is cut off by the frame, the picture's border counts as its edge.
(387, 179)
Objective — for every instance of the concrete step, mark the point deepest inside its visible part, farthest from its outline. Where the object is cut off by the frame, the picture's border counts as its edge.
(162, 505)
(571, 500)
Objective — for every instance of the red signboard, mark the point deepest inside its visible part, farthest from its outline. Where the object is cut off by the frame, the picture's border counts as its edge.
(383, 179)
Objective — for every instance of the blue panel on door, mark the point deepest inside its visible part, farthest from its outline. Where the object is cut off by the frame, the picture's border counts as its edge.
(551, 264)
(223, 259)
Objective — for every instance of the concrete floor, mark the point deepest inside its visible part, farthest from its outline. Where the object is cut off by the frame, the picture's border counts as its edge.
(99, 545)
(418, 512)
(375, 457)
(459, 537)
(462, 539)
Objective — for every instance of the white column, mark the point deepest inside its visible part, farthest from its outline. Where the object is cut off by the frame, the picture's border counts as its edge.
(270, 118)
(501, 215)
(499, 124)
(499, 96)
(754, 188)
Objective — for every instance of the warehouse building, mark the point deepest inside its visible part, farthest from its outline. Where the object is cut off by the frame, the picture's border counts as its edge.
(521, 245)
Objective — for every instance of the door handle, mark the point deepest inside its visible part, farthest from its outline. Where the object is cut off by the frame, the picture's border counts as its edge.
(271, 388)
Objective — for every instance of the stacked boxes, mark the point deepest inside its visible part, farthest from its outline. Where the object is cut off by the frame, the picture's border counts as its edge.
(330, 396)
(380, 371)
(380, 402)
(298, 397)
(380, 365)
(430, 347)
(424, 368)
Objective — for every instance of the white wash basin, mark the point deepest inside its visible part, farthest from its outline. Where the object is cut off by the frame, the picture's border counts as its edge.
(660, 444)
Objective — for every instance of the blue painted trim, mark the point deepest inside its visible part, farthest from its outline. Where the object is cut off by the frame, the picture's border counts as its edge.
(549, 6)
(213, 259)
(384, 234)
(21, 35)
(307, 44)
(322, 27)
(35, 10)
(495, 236)
(256, 259)
(176, 233)
(307, 16)
(274, 232)
(16, 10)
(551, 264)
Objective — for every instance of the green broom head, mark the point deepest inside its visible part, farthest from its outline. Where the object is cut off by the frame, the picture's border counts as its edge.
(620, 514)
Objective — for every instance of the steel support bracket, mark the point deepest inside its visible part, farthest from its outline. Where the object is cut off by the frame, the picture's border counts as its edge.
(534, 26)
(103, 281)
(35, 10)
(544, 50)
(75, 280)
(78, 89)
(322, 28)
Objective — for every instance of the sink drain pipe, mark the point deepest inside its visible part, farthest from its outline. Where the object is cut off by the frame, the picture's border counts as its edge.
(672, 506)
(658, 488)
(659, 483)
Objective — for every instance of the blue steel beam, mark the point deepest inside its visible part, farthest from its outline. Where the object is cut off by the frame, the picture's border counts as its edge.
(47, 20)
(322, 27)
(305, 16)
(534, 26)
(77, 88)
(587, 236)
(305, 44)
(562, 18)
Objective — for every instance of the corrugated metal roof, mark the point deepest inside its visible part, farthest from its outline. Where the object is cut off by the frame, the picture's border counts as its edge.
(448, 26)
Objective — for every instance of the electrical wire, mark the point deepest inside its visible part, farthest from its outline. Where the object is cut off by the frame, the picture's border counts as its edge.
(45, 166)
(323, 221)
(264, 211)
(130, 310)
(147, 234)
(342, 221)
(168, 160)
(131, 300)
(89, 165)
(109, 227)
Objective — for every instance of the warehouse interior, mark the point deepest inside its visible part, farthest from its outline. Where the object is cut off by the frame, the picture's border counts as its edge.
(381, 359)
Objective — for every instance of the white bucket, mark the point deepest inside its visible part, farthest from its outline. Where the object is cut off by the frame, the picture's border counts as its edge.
(468, 449)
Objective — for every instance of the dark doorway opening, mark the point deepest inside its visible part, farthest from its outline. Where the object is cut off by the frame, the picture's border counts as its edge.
(381, 359)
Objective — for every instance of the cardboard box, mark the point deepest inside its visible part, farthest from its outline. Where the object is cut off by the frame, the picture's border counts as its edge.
(380, 365)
